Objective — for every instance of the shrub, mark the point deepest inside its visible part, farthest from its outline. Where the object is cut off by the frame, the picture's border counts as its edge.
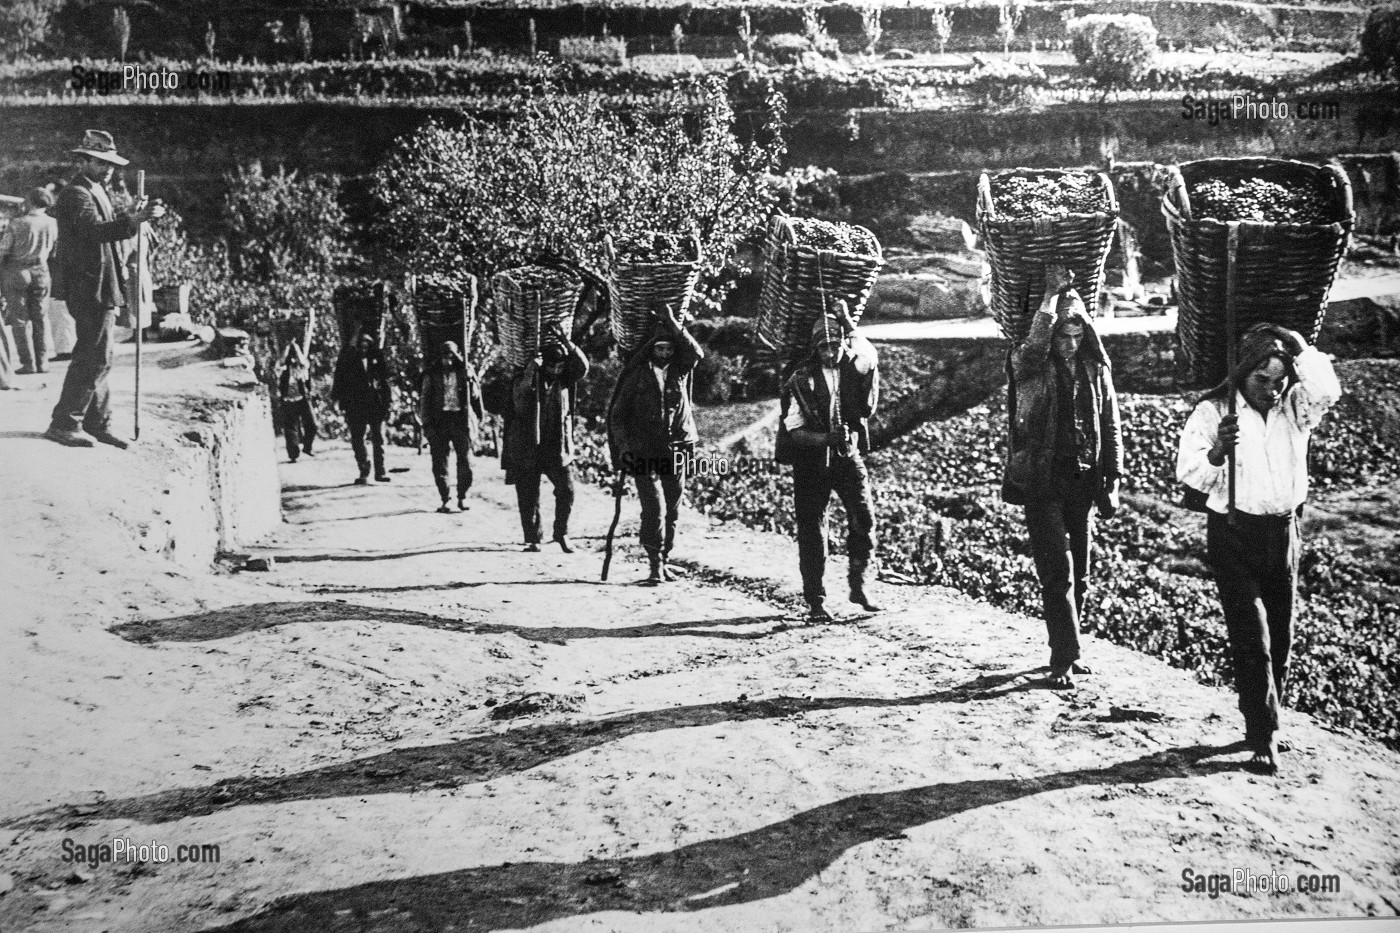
(1380, 37)
(786, 48)
(282, 222)
(714, 379)
(1116, 51)
(606, 51)
(24, 23)
(566, 170)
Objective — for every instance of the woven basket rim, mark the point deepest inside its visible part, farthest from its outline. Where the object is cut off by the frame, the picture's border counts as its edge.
(785, 222)
(557, 279)
(986, 206)
(1176, 199)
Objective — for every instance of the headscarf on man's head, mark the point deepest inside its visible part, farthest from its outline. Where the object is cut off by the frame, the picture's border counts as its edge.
(554, 353)
(1071, 308)
(1259, 344)
(826, 329)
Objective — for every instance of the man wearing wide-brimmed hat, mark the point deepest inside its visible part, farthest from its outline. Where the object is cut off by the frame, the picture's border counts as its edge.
(824, 431)
(87, 274)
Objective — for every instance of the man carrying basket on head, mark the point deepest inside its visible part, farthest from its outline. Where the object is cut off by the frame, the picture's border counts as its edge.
(1064, 457)
(652, 434)
(824, 432)
(1283, 387)
(537, 404)
(449, 402)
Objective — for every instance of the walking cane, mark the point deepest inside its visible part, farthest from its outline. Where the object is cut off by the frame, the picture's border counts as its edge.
(618, 488)
(136, 291)
(1231, 343)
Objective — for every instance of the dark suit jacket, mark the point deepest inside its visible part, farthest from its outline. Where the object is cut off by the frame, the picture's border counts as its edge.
(361, 390)
(87, 269)
(1033, 415)
(807, 389)
(643, 422)
(524, 401)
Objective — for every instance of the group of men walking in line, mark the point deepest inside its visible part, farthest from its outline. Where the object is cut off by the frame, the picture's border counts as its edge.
(1064, 459)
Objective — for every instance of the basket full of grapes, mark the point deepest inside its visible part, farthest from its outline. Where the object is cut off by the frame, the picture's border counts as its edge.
(1034, 218)
(810, 265)
(647, 274)
(1292, 220)
(529, 301)
(443, 308)
(362, 307)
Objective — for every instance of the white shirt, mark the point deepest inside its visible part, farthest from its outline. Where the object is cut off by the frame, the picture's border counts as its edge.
(1271, 454)
(660, 373)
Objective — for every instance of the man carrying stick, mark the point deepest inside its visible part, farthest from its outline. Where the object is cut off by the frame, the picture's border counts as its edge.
(1282, 387)
(89, 276)
(824, 432)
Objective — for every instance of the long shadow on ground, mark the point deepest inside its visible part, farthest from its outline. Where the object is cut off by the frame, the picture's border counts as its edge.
(477, 759)
(254, 617)
(764, 863)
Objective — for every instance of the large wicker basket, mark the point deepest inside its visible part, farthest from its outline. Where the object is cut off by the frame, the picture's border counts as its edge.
(529, 300)
(1019, 249)
(640, 292)
(1283, 271)
(802, 282)
(444, 310)
(362, 307)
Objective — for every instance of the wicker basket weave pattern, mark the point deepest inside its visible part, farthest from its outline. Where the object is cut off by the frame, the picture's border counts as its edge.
(441, 307)
(640, 292)
(1283, 271)
(801, 283)
(1018, 250)
(529, 300)
(361, 307)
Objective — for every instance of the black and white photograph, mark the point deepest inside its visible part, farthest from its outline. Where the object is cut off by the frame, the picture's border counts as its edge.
(769, 466)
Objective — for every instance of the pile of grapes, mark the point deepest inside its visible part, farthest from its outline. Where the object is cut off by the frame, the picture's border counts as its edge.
(1017, 197)
(653, 247)
(837, 237)
(1259, 200)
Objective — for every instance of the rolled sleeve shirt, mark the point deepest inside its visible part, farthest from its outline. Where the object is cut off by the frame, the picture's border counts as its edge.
(1271, 453)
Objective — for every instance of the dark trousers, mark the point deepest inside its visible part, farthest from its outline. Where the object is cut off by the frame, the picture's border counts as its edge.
(813, 482)
(26, 300)
(359, 427)
(85, 400)
(652, 488)
(448, 434)
(1256, 572)
(298, 427)
(1061, 534)
(527, 497)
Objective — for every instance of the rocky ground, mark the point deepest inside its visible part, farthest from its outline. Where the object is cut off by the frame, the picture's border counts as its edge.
(408, 724)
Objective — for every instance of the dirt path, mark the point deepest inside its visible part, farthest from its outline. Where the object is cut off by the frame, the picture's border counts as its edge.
(409, 724)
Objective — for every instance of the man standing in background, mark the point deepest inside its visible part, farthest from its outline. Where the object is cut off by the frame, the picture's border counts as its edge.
(88, 275)
(24, 278)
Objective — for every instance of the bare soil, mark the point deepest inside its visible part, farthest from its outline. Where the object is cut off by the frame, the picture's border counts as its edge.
(409, 724)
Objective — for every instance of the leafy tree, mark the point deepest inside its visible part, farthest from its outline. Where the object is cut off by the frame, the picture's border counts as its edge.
(567, 169)
(24, 24)
(1116, 51)
(281, 223)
